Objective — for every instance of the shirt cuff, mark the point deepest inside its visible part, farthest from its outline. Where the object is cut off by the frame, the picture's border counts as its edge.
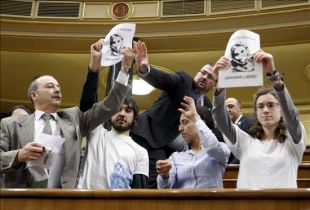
(122, 77)
(146, 73)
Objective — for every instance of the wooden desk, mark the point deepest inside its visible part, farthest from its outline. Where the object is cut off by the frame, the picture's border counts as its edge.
(306, 156)
(230, 199)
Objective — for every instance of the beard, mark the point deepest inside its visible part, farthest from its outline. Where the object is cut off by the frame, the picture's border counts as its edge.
(121, 128)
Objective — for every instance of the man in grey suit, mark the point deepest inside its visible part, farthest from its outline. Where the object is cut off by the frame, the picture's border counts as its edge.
(18, 134)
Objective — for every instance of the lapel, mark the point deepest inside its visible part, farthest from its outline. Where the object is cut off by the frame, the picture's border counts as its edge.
(26, 129)
(66, 126)
(240, 123)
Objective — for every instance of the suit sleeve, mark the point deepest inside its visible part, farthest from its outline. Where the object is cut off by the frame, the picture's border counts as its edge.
(162, 80)
(89, 93)
(103, 110)
(7, 156)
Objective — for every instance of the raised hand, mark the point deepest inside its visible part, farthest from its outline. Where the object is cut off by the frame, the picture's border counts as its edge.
(127, 59)
(30, 151)
(163, 167)
(221, 64)
(95, 51)
(266, 59)
(189, 109)
(141, 57)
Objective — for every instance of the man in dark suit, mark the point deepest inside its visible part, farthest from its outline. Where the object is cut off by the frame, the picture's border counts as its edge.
(157, 128)
(18, 134)
(234, 108)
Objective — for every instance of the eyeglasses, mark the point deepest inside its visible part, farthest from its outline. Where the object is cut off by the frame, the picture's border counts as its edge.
(269, 105)
(209, 76)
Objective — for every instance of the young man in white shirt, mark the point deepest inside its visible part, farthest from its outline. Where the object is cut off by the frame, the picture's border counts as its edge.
(113, 160)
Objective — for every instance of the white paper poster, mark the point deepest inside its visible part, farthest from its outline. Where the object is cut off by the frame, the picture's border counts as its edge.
(118, 38)
(242, 71)
(53, 148)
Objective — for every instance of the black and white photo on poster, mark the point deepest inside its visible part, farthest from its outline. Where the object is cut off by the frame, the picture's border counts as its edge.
(118, 38)
(242, 71)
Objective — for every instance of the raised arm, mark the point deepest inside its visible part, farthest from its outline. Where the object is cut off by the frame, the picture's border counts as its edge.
(89, 93)
(214, 148)
(219, 112)
(151, 75)
(104, 110)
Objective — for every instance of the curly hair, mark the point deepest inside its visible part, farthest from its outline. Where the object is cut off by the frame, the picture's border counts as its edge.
(256, 130)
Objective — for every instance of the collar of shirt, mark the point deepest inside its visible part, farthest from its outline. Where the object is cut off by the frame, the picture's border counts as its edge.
(237, 120)
(38, 114)
(190, 151)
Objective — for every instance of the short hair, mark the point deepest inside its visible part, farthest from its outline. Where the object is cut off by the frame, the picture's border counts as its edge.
(33, 87)
(24, 107)
(129, 101)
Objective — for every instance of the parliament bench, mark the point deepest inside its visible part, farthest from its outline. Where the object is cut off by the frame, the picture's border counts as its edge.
(191, 199)
(233, 169)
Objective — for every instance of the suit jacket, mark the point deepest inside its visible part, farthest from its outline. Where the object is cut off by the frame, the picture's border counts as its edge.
(245, 123)
(74, 124)
(159, 124)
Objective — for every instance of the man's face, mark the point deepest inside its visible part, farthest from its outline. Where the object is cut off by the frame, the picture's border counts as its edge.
(205, 79)
(48, 95)
(234, 108)
(123, 120)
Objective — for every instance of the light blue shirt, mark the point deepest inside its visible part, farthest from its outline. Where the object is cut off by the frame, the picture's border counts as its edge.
(202, 170)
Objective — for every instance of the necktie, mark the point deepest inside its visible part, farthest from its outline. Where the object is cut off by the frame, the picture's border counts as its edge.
(200, 100)
(47, 126)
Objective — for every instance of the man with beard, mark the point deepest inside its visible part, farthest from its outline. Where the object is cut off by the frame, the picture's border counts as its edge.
(113, 160)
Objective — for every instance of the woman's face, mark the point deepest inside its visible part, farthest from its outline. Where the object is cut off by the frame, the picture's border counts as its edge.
(268, 111)
(188, 129)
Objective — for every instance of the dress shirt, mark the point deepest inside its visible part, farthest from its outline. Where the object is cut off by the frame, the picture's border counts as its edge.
(39, 124)
(202, 170)
(238, 119)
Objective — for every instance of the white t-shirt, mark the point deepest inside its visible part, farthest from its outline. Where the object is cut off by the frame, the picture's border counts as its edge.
(267, 164)
(111, 160)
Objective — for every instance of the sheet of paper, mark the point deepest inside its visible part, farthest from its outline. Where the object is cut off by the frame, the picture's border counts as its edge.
(242, 71)
(118, 38)
(53, 148)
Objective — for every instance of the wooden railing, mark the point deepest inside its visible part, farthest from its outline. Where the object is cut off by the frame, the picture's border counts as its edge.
(232, 171)
(37, 199)
(306, 157)
(231, 174)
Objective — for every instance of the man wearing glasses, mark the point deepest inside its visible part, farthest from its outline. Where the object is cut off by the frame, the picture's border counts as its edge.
(157, 128)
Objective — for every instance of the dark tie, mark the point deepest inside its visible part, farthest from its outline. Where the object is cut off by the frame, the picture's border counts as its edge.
(47, 126)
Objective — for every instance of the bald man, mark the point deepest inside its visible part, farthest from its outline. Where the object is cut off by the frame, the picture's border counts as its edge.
(234, 108)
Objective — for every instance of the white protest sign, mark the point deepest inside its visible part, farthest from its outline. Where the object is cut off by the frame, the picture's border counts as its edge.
(242, 71)
(118, 38)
